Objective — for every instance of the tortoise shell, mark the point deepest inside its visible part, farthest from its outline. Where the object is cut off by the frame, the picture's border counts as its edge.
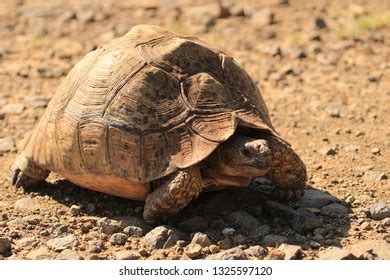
(141, 107)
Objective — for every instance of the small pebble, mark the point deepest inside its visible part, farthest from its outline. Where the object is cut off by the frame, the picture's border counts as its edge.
(375, 151)
(118, 239)
(193, 250)
(75, 210)
(228, 231)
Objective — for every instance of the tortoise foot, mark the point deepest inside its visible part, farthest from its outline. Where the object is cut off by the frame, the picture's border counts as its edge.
(19, 179)
(27, 173)
(175, 192)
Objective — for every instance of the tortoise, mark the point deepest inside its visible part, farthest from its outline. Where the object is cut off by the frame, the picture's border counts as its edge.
(159, 117)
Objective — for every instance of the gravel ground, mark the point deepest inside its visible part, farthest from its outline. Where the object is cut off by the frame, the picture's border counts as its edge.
(323, 69)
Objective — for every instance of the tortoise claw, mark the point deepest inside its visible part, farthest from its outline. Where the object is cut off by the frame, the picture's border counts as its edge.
(14, 175)
(20, 179)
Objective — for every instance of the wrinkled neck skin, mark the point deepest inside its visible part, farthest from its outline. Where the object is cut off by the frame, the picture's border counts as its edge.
(237, 161)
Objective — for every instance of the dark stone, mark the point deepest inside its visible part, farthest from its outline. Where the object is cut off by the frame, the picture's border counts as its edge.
(379, 211)
(301, 220)
(320, 23)
(194, 224)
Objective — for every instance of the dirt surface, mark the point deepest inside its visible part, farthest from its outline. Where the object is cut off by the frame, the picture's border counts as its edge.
(323, 68)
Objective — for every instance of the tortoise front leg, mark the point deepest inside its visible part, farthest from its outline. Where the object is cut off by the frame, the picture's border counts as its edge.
(288, 172)
(175, 192)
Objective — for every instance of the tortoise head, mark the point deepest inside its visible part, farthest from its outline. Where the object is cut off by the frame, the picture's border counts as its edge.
(242, 156)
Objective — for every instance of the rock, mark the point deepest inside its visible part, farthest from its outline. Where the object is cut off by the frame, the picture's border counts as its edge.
(318, 237)
(273, 240)
(314, 37)
(386, 222)
(335, 253)
(28, 204)
(5, 246)
(127, 255)
(108, 226)
(300, 54)
(51, 72)
(6, 145)
(32, 219)
(256, 252)
(24, 242)
(379, 211)
(214, 249)
(228, 231)
(343, 45)
(352, 148)
(235, 253)
(225, 244)
(284, 2)
(321, 231)
(244, 220)
(69, 254)
(305, 221)
(134, 221)
(193, 224)
(259, 232)
(314, 244)
(95, 246)
(193, 250)
(200, 18)
(380, 249)
(366, 226)
(376, 36)
(334, 110)
(263, 17)
(302, 220)
(328, 151)
(289, 70)
(62, 243)
(275, 254)
(239, 239)
(163, 237)
(320, 23)
(374, 176)
(375, 151)
(334, 208)
(328, 58)
(373, 79)
(133, 231)
(13, 108)
(315, 199)
(201, 239)
(118, 239)
(75, 210)
(41, 253)
(291, 252)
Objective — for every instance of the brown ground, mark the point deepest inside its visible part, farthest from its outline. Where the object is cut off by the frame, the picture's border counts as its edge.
(325, 94)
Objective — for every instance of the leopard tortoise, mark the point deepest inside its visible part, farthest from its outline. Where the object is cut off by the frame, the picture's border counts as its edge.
(158, 116)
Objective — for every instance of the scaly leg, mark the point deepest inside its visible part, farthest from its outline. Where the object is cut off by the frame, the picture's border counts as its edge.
(288, 172)
(175, 192)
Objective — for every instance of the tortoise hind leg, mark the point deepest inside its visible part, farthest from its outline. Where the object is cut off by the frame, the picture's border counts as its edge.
(175, 192)
(25, 172)
(288, 172)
